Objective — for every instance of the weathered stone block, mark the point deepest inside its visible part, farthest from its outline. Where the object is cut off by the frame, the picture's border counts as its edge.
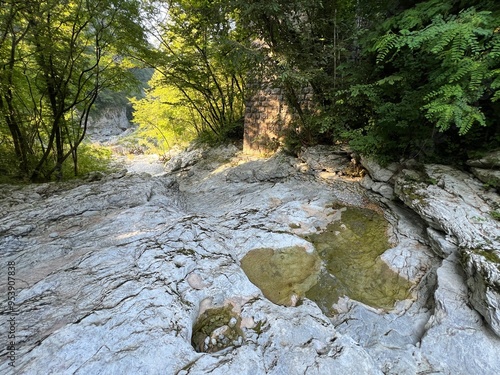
(488, 176)
(489, 161)
(377, 172)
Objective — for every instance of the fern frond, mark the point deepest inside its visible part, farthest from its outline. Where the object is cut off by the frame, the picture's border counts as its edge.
(464, 69)
(385, 45)
(477, 76)
(391, 80)
(495, 85)
(467, 116)
(496, 81)
(448, 33)
(494, 46)
(444, 113)
(461, 42)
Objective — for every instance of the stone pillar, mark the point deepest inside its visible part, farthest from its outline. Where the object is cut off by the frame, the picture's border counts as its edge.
(267, 117)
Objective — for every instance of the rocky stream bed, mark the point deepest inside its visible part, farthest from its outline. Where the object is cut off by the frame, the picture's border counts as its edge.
(223, 264)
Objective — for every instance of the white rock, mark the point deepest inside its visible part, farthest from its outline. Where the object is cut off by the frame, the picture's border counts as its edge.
(377, 172)
(452, 202)
(458, 330)
(195, 281)
(139, 258)
(442, 244)
(329, 159)
(385, 190)
(367, 182)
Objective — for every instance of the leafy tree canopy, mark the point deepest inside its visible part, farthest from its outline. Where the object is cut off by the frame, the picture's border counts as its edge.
(57, 58)
(395, 78)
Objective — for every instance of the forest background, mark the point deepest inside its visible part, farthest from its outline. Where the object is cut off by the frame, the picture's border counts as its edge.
(395, 79)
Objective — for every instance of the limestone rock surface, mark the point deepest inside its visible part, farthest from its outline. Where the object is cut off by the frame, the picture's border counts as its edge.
(183, 160)
(487, 168)
(112, 276)
(330, 159)
(452, 202)
(377, 172)
(490, 177)
(489, 161)
(483, 280)
(109, 124)
(274, 169)
(452, 317)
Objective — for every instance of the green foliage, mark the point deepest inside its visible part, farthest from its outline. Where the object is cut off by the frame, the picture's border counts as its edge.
(396, 78)
(117, 97)
(464, 49)
(433, 87)
(306, 40)
(495, 215)
(91, 158)
(163, 117)
(418, 83)
(202, 60)
(316, 44)
(58, 57)
(9, 164)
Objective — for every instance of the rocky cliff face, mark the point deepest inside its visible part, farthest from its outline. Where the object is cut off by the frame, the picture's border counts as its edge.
(142, 274)
(109, 124)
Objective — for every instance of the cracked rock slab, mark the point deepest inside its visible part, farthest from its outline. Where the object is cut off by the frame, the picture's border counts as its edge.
(456, 204)
(111, 276)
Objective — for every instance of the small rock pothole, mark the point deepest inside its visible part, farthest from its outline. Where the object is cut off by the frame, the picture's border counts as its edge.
(216, 329)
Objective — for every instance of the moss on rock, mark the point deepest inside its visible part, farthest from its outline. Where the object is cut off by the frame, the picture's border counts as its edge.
(217, 329)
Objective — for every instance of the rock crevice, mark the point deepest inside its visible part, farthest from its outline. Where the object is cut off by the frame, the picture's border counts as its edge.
(458, 209)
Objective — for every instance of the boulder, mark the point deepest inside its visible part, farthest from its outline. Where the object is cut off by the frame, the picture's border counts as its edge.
(273, 169)
(183, 160)
(451, 201)
(384, 189)
(487, 168)
(442, 244)
(490, 177)
(377, 172)
(483, 279)
(489, 161)
(455, 339)
(367, 182)
(330, 159)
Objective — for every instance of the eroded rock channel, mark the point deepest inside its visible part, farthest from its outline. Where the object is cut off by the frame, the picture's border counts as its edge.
(143, 274)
